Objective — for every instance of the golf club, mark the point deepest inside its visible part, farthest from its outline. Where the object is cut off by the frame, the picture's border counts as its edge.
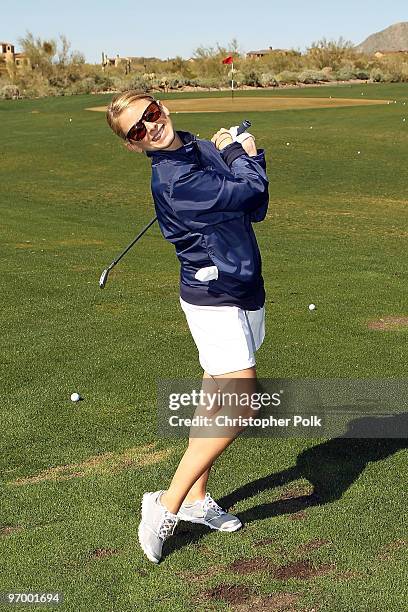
(243, 126)
(104, 276)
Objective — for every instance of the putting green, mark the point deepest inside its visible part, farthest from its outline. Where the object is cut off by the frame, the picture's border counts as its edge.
(225, 105)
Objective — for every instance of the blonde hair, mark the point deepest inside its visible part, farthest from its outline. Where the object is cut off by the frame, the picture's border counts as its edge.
(118, 104)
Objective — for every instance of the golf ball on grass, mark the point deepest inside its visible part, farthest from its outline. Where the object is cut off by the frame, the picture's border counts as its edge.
(312, 307)
(75, 397)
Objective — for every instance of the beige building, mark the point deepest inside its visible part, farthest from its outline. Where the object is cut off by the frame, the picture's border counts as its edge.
(383, 53)
(8, 54)
(270, 51)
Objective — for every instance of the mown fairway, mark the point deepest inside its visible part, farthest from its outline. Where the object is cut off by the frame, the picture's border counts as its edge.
(73, 474)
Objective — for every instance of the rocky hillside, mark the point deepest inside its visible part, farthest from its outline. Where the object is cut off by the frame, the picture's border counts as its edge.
(394, 38)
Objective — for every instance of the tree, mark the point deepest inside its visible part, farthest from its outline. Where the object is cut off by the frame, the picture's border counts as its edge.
(44, 55)
(52, 64)
(330, 53)
(181, 66)
(65, 57)
(208, 60)
(39, 52)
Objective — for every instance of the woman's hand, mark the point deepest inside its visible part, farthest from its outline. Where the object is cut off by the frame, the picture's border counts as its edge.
(249, 145)
(222, 139)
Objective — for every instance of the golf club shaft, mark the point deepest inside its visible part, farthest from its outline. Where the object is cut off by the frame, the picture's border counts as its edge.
(129, 246)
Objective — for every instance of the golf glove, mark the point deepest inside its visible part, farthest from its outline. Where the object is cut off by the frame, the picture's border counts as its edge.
(233, 131)
(207, 274)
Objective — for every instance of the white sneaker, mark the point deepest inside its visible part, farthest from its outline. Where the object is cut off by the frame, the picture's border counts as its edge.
(208, 512)
(156, 526)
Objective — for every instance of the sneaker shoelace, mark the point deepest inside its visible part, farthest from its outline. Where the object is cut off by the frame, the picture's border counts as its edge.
(167, 527)
(210, 503)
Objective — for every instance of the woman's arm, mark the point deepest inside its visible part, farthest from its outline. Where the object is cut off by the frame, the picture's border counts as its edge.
(204, 197)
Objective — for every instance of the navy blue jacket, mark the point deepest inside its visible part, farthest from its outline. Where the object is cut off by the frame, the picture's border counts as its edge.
(206, 202)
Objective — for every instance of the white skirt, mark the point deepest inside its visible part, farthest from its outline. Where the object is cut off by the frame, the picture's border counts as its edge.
(226, 337)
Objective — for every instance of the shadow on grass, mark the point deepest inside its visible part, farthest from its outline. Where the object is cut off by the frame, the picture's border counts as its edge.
(331, 468)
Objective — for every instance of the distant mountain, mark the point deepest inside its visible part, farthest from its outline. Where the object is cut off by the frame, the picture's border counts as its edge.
(394, 38)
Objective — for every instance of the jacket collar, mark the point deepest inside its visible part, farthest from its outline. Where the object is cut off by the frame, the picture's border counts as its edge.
(189, 143)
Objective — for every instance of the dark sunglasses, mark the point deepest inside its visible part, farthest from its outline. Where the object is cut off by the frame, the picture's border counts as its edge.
(138, 130)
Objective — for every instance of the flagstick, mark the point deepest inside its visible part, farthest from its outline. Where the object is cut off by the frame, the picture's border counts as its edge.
(232, 80)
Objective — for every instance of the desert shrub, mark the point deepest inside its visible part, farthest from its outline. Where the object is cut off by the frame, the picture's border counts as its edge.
(209, 82)
(207, 61)
(362, 60)
(377, 75)
(114, 83)
(225, 80)
(312, 76)
(329, 72)
(287, 77)
(329, 53)
(164, 83)
(280, 61)
(403, 74)
(9, 92)
(120, 83)
(268, 79)
(139, 83)
(252, 78)
(192, 82)
(352, 72)
(395, 69)
(180, 66)
(364, 75)
(345, 74)
(32, 84)
(239, 79)
(152, 80)
(176, 80)
(84, 86)
(393, 77)
(103, 81)
(58, 81)
(93, 83)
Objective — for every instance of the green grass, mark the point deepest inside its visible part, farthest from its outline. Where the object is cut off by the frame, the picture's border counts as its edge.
(335, 235)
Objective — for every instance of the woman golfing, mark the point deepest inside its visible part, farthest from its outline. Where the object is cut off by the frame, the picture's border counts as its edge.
(206, 195)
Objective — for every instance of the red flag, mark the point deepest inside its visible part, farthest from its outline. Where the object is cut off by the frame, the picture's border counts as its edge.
(228, 60)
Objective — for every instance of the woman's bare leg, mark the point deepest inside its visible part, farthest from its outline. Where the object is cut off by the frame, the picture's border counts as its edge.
(199, 489)
(192, 472)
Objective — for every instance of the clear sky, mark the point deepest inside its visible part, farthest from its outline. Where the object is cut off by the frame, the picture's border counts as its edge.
(177, 27)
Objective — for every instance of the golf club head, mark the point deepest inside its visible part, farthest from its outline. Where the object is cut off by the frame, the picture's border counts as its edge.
(103, 278)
